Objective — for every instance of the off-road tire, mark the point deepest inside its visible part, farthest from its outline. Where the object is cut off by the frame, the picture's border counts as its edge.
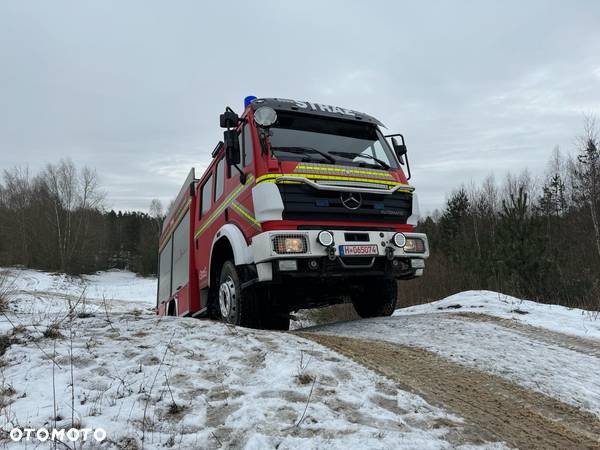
(244, 311)
(212, 309)
(378, 299)
(275, 321)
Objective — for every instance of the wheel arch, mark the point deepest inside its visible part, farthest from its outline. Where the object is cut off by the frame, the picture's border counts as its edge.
(229, 243)
(171, 307)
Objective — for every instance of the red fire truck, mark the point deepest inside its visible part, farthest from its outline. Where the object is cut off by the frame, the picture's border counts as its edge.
(303, 205)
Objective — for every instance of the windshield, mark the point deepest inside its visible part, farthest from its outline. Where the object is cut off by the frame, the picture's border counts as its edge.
(298, 137)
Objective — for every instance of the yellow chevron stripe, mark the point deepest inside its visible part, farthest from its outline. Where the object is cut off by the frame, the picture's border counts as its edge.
(340, 169)
(237, 191)
(240, 209)
(271, 178)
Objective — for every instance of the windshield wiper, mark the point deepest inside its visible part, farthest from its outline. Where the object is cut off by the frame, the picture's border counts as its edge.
(351, 155)
(304, 150)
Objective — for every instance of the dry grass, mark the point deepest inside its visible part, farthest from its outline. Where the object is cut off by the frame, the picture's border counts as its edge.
(5, 342)
(7, 391)
(329, 314)
(304, 378)
(53, 331)
(6, 289)
(175, 411)
(128, 443)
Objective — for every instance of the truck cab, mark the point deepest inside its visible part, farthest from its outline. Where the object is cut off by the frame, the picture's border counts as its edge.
(304, 205)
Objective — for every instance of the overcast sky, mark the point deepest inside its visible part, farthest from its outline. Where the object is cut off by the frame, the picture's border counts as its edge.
(135, 88)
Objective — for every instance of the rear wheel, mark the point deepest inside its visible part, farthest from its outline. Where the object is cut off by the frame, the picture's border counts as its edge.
(171, 309)
(236, 307)
(378, 299)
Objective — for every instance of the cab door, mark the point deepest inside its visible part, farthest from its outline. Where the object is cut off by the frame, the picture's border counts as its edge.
(240, 211)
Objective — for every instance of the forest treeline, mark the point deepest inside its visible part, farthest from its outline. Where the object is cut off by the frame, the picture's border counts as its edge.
(535, 238)
(55, 220)
(532, 238)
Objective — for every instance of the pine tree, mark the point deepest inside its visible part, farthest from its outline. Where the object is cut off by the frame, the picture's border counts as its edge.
(520, 245)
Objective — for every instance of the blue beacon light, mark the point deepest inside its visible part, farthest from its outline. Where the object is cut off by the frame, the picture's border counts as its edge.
(248, 100)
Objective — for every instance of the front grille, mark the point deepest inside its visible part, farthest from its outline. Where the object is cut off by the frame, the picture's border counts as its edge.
(301, 202)
(356, 237)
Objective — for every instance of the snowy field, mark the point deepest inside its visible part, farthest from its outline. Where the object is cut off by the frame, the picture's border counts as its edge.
(42, 292)
(154, 382)
(576, 322)
(184, 383)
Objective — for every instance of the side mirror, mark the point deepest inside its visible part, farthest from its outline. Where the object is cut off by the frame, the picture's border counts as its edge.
(232, 147)
(229, 119)
(400, 149)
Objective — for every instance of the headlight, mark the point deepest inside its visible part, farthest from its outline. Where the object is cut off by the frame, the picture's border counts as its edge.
(289, 244)
(399, 240)
(414, 245)
(325, 238)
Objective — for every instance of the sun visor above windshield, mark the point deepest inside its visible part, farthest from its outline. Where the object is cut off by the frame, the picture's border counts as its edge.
(318, 109)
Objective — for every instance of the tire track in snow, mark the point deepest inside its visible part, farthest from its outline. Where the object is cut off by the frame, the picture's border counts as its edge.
(574, 343)
(498, 408)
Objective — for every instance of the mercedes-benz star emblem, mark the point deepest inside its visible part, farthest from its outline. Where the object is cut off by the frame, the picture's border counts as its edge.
(351, 200)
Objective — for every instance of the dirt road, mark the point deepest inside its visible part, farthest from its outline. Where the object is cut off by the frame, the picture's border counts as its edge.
(495, 409)
(577, 344)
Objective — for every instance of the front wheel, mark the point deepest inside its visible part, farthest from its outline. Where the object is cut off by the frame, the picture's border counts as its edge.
(236, 307)
(377, 299)
(276, 321)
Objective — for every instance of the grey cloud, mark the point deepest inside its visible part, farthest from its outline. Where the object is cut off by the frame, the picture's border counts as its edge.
(135, 88)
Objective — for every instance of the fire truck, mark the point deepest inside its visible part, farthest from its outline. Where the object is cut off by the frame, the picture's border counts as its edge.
(303, 205)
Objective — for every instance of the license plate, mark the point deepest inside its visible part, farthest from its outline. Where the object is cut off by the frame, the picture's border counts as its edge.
(358, 250)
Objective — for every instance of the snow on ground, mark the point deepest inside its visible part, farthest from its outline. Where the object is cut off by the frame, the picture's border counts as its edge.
(576, 322)
(215, 384)
(536, 361)
(117, 290)
(187, 383)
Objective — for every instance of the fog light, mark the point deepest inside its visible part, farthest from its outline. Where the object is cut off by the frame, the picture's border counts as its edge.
(313, 264)
(289, 244)
(325, 238)
(288, 264)
(399, 240)
(414, 245)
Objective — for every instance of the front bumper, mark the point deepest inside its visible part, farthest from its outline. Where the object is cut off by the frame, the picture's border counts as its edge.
(397, 259)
